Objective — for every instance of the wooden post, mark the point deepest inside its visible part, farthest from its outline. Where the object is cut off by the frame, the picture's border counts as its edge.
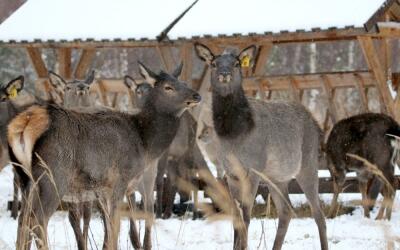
(376, 67)
(85, 61)
(40, 68)
(64, 62)
(294, 90)
(186, 58)
(261, 59)
(361, 90)
(330, 95)
(165, 53)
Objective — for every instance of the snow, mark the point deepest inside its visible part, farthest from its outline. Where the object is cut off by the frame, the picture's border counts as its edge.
(103, 19)
(344, 232)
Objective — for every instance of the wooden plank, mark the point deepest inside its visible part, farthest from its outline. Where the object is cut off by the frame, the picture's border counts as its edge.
(359, 84)
(64, 62)
(167, 58)
(376, 66)
(389, 29)
(328, 91)
(276, 38)
(187, 59)
(38, 64)
(85, 61)
(294, 90)
(269, 83)
(261, 59)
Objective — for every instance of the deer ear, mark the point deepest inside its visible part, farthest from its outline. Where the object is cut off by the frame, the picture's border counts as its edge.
(90, 78)
(204, 53)
(58, 83)
(246, 56)
(130, 83)
(177, 72)
(14, 87)
(147, 74)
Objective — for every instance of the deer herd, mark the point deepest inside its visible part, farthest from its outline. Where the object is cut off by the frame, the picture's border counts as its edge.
(66, 151)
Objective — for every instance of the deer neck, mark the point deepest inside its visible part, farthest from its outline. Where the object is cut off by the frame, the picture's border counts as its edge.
(156, 129)
(232, 114)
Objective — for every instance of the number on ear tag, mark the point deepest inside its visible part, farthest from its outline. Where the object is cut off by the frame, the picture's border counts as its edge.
(245, 63)
(13, 93)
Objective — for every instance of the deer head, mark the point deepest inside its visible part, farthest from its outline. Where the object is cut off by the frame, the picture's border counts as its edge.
(74, 93)
(226, 74)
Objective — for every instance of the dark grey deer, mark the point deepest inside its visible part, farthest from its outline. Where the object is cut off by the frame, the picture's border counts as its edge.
(101, 154)
(368, 136)
(280, 140)
(75, 95)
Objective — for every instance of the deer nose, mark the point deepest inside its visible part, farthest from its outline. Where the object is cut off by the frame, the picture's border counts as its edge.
(196, 97)
(80, 92)
(225, 77)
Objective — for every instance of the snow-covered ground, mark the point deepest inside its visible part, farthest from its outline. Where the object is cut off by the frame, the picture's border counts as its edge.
(344, 232)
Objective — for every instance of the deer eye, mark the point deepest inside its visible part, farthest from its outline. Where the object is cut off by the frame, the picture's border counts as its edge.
(237, 64)
(3, 98)
(67, 88)
(213, 64)
(168, 88)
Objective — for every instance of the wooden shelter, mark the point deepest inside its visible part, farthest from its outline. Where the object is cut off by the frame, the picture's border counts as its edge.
(374, 39)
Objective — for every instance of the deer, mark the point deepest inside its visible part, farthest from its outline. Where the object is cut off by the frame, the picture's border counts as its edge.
(273, 140)
(8, 110)
(369, 136)
(74, 95)
(87, 165)
(182, 153)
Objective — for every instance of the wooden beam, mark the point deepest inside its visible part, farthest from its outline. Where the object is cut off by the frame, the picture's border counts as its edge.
(376, 66)
(389, 29)
(261, 59)
(330, 96)
(187, 59)
(38, 64)
(359, 84)
(85, 61)
(166, 57)
(257, 39)
(294, 90)
(64, 62)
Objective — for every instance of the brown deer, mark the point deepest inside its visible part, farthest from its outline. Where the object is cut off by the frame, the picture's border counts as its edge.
(367, 136)
(275, 140)
(101, 154)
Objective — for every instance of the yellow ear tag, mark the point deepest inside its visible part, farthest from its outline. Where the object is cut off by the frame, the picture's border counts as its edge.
(245, 63)
(13, 93)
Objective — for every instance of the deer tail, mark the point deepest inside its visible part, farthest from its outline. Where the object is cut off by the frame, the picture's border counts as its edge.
(24, 130)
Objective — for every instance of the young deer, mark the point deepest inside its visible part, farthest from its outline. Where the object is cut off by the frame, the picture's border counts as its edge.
(279, 140)
(74, 95)
(87, 165)
(368, 136)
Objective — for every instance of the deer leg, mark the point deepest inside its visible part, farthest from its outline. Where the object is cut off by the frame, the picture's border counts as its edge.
(363, 186)
(15, 204)
(24, 222)
(308, 181)
(337, 189)
(133, 231)
(148, 198)
(283, 205)
(74, 216)
(170, 188)
(160, 185)
(111, 220)
(87, 214)
(374, 188)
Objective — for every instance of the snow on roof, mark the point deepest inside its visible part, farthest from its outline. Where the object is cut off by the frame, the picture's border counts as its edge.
(125, 19)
